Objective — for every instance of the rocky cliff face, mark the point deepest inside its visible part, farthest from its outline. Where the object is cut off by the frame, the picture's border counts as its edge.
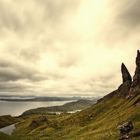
(129, 87)
(136, 78)
(125, 74)
(124, 88)
(135, 87)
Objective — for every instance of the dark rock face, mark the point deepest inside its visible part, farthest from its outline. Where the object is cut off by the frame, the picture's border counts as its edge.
(124, 88)
(128, 88)
(108, 96)
(36, 122)
(125, 74)
(136, 78)
(126, 127)
(135, 87)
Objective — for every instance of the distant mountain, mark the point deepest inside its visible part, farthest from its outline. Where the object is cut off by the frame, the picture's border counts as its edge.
(68, 107)
(41, 99)
(37, 99)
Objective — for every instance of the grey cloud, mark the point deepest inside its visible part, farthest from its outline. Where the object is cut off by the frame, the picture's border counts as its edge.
(17, 17)
(9, 74)
(55, 10)
(124, 22)
(130, 13)
(12, 87)
(11, 71)
(9, 18)
(16, 70)
(69, 61)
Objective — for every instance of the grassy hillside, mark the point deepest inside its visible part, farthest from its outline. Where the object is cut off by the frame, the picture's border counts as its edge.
(98, 122)
(4, 137)
(7, 120)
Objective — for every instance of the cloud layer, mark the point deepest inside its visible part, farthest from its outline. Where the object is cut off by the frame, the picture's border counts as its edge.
(50, 47)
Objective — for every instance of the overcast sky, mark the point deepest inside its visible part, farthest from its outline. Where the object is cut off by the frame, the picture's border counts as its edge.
(66, 47)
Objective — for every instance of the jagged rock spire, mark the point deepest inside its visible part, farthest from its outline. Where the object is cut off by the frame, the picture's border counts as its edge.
(128, 88)
(138, 58)
(124, 88)
(125, 74)
(136, 78)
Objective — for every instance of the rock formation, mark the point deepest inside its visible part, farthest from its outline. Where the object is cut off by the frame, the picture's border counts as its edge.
(135, 86)
(124, 88)
(136, 78)
(125, 74)
(128, 88)
(36, 122)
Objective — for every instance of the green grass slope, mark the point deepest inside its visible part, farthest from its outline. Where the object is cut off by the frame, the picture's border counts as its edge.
(72, 106)
(4, 137)
(7, 120)
(98, 122)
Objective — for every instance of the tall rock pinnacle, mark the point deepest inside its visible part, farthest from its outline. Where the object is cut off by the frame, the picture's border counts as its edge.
(136, 78)
(124, 88)
(128, 88)
(125, 74)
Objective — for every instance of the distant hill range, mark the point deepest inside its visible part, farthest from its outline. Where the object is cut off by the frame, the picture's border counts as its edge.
(66, 108)
(41, 99)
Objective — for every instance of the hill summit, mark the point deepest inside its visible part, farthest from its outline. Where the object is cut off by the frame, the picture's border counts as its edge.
(130, 87)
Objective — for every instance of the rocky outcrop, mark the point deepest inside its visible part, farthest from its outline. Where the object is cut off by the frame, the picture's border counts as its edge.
(125, 129)
(108, 96)
(129, 88)
(124, 88)
(36, 122)
(125, 74)
(136, 78)
(135, 86)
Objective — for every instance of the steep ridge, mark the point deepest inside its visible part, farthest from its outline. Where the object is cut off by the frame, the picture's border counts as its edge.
(129, 88)
(124, 88)
(136, 78)
(135, 87)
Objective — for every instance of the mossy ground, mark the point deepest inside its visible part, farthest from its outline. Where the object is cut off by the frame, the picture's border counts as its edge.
(7, 120)
(99, 122)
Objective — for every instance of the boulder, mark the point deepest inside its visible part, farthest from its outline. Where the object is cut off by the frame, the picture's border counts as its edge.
(126, 128)
(37, 121)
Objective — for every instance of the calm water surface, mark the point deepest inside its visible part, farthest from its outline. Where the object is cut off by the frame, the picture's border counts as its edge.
(17, 108)
(8, 129)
